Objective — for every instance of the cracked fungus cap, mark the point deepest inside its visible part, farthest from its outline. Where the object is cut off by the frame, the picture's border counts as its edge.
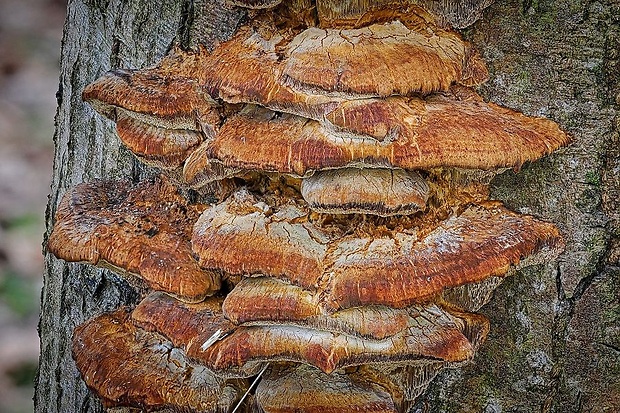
(167, 96)
(127, 366)
(358, 13)
(378, 60)
(329, 351)
(268, 301)
(294, 389)
(161, 113)
(289, 72)
(240, 238)
(203, 333)
(142, 231)
(387, 268)
(439, 131)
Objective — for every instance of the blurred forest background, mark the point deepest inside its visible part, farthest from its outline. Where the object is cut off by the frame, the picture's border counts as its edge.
(30, 34)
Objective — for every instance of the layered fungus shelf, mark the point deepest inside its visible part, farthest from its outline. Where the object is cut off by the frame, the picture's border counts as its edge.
(340, 236)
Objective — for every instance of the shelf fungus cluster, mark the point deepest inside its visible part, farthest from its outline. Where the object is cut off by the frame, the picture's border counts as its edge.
(340, 237)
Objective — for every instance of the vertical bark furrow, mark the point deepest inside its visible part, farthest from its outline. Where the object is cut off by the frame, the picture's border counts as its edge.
(86, 147)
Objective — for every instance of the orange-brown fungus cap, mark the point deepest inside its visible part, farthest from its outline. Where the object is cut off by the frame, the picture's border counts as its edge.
(441, 131)
(481, 242)
(414, 378)
(143, 230)
(166, 96)
(161, 113)
(379, 191)
(267, 301)
(390, 267)
(247, 69)
(240, 237)
(272, 68)
(306, 389)
(377, 60)
(359, 13)
(156, 146)
(188, 326)
(259, 139)
(126, 366)
(429, 336)
(456, 129)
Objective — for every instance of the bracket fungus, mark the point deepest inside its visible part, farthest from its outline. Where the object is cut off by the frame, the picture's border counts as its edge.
(141, 230)
(376, 60)
(353, 190)
(386, 268)
(127, 366)
(399, 133)
(426, 333)
(161, 115)
(342, 266)
(300, 388)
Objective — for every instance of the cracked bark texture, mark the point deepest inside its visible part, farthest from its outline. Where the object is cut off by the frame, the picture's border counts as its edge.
(554, 344)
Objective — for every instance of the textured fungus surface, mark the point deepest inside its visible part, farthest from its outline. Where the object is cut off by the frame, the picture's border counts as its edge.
(328, 351)
(238, 237)
(156, 146)
(126, 366)
(253, 67)
(143, 230)
(295, 389)
(395, 269)
(396, 132)
(366, 191)
(166, 96)
(268, 301)
(377, 60)
(189, 326)
(477, 244)
(355, 237)
(161, 114)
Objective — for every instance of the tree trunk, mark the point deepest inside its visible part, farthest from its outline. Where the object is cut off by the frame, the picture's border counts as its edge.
(99, 35)
(554, 344)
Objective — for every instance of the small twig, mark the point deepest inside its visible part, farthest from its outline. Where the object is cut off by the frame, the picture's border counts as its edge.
(251, 387)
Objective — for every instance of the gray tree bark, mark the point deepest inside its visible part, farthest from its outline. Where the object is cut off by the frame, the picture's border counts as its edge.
(554, 344)
(99, 35)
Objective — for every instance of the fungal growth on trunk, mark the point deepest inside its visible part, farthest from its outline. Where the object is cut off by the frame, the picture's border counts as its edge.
(341, 262)
(128, 366)
(142, 231)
